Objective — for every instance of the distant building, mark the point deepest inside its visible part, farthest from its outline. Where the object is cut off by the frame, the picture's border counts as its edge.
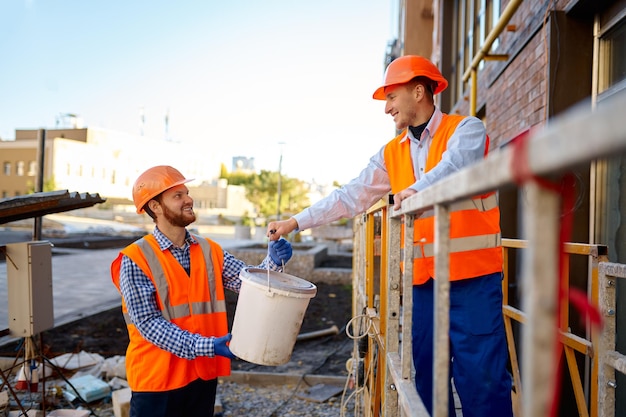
(106, 162)
(91, 160)
(217, 196)
(243, 164)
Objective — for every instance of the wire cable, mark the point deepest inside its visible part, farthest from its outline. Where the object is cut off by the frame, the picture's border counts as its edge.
(353, 371)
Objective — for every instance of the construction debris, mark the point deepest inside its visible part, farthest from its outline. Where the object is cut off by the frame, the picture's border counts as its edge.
(97, 386)
(321, 392)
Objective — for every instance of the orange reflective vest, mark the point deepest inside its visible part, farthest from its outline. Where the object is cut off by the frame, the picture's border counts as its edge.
(475, 247)
(193, 302)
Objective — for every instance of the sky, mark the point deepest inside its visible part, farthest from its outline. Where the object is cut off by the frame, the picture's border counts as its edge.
(246, 78)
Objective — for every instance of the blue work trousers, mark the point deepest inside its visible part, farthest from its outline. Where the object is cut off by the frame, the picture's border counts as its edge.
(478, 348)
(194, 399)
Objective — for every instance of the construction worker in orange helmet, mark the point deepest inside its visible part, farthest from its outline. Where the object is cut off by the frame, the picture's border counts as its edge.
(404, 69)
(153, 182)
(172, 286)
(432, 145)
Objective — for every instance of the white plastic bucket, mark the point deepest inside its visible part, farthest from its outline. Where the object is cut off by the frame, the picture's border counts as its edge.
(269, 313)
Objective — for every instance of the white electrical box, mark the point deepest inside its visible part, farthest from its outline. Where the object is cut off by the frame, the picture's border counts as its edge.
(29, 284)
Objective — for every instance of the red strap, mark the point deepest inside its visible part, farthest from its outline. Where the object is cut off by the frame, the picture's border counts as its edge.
(521, 172)
(519, 163)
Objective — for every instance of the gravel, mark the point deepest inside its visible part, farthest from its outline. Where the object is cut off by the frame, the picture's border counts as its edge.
(254, 400)
(239, 399)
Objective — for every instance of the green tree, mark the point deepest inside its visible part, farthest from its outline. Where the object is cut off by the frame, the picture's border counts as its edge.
(48, 185)
(239, 178)
(262, 191)
(223, 171)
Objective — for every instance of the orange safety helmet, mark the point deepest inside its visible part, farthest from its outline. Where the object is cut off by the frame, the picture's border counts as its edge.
(153, 182)
(403, 69)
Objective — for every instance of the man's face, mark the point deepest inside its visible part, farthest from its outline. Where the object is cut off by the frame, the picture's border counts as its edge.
(401, 104)
(177, 206)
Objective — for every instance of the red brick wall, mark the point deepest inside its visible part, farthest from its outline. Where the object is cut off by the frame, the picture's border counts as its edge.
(516, 100)
(513, 93)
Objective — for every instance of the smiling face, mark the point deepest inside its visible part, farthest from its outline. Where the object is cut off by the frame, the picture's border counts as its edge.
(401, 105)
(177, 206)
(407, 104)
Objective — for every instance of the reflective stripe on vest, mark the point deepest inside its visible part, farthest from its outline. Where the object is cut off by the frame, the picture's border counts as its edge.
(216, 305)
(480, 204)
(169, 311)
(145, 361)
(459, 244)
(474, 222)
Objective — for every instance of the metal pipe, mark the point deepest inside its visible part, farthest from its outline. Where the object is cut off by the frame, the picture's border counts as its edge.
(508, 12)
(41, 157)
(496, 57)
(279, 186)
(473, 92)
(333, 330)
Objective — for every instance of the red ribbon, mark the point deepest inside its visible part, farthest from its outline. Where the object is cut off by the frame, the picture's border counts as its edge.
(522, 173)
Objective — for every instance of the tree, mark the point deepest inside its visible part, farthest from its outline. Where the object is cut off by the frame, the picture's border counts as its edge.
(48, 185)
(223, 171)
(239, 178)
(262, 191)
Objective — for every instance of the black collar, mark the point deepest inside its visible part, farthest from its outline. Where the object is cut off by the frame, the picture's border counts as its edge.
(418, 130)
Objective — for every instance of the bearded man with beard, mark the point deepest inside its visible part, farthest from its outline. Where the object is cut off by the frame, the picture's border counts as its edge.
(172, 286)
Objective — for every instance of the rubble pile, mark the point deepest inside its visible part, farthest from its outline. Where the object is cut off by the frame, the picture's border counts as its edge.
(87, 384)
(73, 385)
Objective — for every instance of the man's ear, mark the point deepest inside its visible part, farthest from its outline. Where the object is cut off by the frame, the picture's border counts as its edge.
(420, 90)
(154, 205)
(422, 93)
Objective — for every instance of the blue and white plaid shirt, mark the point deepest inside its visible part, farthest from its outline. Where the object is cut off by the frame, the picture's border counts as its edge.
(140, 296)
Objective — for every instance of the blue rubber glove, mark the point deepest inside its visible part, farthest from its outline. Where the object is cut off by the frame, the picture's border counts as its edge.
(221, 347)
(280, 251)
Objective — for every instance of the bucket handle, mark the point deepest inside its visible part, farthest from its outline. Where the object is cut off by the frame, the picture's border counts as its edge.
(269, 289)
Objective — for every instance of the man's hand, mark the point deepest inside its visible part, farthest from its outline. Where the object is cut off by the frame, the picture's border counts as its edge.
(280, 251)
(402, 195)
(276, 229)
(220, 345)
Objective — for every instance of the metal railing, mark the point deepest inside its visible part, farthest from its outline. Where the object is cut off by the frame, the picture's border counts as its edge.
(570, 343)
(381, 289)
(609, 359)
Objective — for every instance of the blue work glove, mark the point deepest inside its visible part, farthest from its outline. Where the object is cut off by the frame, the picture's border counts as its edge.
(221, 348)
(280, 251)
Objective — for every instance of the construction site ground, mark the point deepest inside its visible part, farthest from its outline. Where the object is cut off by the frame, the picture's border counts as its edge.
(104, 333)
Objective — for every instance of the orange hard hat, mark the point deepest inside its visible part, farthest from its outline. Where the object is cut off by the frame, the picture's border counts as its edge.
(403, 69)
(153, 182)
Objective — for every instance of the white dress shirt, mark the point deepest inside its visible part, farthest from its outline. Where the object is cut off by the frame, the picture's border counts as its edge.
(466, 146)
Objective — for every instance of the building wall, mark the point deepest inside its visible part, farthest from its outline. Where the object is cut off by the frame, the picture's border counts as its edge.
(107, 162)
(99, 160)
(31, 134)
(516, 99)
(418, 22)
(14, 182)
(547, 70)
